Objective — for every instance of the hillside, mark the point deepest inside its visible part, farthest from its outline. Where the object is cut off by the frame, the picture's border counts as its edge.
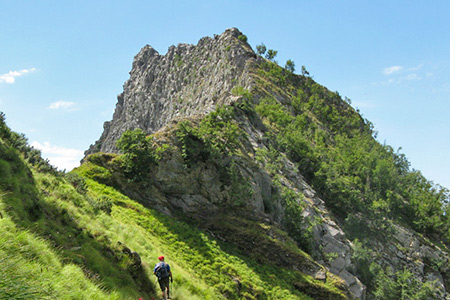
(253, 181)
(64, 236)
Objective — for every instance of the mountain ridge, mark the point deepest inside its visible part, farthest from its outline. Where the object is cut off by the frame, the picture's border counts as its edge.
(272, 94)
(228, 163)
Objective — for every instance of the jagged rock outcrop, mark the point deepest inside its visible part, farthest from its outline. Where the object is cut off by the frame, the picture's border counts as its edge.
(188, 80)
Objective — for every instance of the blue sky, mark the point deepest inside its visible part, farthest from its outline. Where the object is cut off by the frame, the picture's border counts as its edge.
(62, 63)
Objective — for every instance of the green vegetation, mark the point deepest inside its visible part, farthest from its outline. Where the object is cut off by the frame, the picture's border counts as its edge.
(41, 240)
(216, 141)
(261, 49)
(178, 60)
(33, 269)
(243, 38)
(217, 134)
(64, 236)
(368, 186)
(271, 54)
(336, 150)
(294, 222)
(304, 71)
(404, 287)
(290, 66)
(19, 142)
(387, 285)
(139, 153)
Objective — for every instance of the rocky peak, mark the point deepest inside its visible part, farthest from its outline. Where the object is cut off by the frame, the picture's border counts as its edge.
(187, 80)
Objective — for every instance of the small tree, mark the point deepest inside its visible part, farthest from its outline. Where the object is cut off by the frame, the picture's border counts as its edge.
(290, 66)
(138, 153)
(304, 71)
(4, 130)
(261, 49)
(271, 54)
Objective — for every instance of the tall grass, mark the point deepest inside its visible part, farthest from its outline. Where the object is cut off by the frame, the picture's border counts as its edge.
(31, 269)
(15, 282)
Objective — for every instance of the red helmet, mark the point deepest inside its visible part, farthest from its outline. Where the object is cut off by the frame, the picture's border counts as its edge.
(161, 257)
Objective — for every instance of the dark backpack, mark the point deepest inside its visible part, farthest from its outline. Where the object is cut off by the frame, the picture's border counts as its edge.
(162, 270)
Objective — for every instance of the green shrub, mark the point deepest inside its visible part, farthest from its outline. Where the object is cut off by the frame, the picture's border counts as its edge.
(220, 131)
(103, 203)
(192, 147)
(294, 221)
(97, 173)
(77, 181)
(217, 134)
(138, 153)
(178, 60)
(402, 285)
(243, 38)
(271, 54)
(5, 132)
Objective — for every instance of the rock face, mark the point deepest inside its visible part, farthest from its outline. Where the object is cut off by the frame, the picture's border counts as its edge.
(427, 261)
(193, 80)
(188, 80)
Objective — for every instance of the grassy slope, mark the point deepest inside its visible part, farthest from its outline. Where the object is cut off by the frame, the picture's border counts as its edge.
(198, 256)
(58, 241)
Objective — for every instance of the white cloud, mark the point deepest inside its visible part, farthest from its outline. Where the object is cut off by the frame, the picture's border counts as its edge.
(60, 157)
(412, 77)
(10, 77)
(391, 70)
(416, 68)
(66, 105)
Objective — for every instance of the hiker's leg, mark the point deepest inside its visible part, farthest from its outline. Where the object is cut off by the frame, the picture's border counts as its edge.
(168, 292)
(163, 288)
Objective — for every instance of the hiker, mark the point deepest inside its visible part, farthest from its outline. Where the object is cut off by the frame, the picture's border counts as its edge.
(162, 271)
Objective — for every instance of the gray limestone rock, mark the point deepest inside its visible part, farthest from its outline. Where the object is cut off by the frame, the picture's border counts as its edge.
(187, 80)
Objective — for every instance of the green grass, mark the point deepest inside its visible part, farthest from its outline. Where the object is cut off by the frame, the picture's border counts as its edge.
(199, 256)
(32, 269)
(46, 251)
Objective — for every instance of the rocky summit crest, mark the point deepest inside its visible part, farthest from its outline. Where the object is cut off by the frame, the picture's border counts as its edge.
(187, 80)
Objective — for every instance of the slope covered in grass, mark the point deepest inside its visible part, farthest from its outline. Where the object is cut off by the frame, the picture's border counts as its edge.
(203, 264)
(65, 236)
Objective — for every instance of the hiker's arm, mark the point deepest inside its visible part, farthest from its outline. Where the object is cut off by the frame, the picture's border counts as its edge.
(171, 278)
